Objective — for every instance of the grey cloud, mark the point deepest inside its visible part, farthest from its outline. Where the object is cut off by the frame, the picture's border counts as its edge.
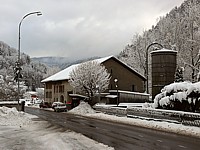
(78, 28)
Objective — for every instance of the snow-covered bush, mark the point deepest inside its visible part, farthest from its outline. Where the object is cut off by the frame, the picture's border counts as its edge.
(194, 89)
(157, 98)
(180, 96)
(183, 96)
(165, 101)
(147, 105)
(176, 87)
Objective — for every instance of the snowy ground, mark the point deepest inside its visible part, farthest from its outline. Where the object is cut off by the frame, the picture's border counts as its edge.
(19, 130)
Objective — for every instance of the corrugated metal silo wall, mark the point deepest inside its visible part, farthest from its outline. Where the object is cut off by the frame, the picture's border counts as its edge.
(163, 70)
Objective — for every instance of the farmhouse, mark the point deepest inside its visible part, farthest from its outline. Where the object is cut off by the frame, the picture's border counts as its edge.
(57, 87)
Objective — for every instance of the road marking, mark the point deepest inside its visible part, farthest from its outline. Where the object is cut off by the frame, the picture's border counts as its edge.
(160, 141)
(79, 116)
(140, 135)
(182, 146)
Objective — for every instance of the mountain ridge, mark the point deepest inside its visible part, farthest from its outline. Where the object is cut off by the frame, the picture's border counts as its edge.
(61, 62)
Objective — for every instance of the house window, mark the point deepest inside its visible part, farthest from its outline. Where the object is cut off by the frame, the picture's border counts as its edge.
(61, 88)
(48, 94)
(48, 86)
(133, 88)
(56, 89)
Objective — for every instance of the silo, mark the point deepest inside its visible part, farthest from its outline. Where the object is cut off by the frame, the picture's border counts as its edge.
(163, 69)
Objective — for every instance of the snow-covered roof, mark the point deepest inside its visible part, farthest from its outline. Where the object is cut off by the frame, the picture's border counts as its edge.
(101, 60)
(78, 95)
(111, 96)
(8, 102)
(164, 50)
(32, 92)
(64, 74)
(129, 92)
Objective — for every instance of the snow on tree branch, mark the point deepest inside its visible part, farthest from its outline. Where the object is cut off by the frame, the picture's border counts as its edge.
(89, 77)
(183, 96)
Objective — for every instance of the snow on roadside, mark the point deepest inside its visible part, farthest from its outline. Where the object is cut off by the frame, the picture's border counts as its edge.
(19, 130)
(162, 126)
(56, 138)
(71, 141)
(11, 117)
(83, 108)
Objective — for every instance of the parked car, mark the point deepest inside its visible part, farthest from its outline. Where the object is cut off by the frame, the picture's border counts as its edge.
(45, 105)
(55, 104)
(38, 101)
(28, 102)
(60, 107)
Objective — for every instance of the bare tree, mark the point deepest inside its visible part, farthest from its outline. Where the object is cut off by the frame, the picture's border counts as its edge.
(89, 78)
(178, 30)
(186, 37)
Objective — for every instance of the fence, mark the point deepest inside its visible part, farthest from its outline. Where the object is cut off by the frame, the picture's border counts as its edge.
(186, 118)
(112, 110)
(10, 104)
(130, 97)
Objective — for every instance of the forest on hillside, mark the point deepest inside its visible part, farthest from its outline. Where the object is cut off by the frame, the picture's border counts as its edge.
(178, 30)
(32, 72)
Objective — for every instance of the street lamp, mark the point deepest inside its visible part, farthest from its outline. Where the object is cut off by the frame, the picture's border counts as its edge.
(38, 13)
(147, 74)
(98, 90)
(116, 85)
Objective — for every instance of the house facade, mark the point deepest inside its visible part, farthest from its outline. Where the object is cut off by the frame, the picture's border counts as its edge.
(57, 91)
(57, 87)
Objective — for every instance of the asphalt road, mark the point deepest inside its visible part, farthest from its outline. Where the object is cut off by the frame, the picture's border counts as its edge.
(119, 136)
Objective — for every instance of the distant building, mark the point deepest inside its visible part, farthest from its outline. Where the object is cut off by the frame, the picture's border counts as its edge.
(57, 87)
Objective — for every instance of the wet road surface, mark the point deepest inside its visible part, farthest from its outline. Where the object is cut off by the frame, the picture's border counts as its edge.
(119, 136)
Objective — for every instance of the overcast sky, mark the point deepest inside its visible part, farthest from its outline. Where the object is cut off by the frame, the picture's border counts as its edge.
(78, 28)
